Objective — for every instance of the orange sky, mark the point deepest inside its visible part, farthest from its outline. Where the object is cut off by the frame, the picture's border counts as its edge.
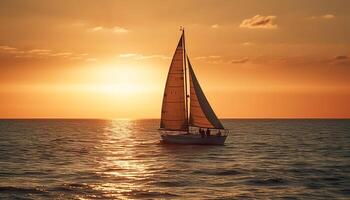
(109, 59)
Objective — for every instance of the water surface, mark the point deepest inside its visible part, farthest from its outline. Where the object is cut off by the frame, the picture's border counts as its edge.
(123, 159)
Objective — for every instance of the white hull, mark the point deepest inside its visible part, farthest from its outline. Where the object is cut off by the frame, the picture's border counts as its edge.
(193, 139)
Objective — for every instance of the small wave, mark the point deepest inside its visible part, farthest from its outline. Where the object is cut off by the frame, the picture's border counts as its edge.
(11, 189)
(149, 194)
(332, 179)
(33, 173)
(345, 191)
(219, 172)
(307, 171)
(115, 169)
(173, 183)
(227, 172)
(72, 187)
(27, 173)
(268, 182)
(224, 184)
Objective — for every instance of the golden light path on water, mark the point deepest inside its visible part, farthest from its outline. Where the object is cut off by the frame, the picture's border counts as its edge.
(122, 159)
(134, 165)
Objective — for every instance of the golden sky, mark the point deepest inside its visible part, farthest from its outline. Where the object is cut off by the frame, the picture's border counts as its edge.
(109, 58)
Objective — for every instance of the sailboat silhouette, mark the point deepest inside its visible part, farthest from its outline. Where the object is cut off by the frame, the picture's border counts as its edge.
(185, 116)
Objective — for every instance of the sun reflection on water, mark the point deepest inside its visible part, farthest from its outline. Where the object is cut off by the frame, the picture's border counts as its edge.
(119, 162)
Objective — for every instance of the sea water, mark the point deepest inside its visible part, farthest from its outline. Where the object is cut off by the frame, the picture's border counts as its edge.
(123, 159)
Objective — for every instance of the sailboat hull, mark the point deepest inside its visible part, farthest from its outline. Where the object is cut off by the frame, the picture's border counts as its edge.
(193, 139)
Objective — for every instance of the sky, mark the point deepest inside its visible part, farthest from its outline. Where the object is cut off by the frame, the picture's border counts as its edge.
(109, 58)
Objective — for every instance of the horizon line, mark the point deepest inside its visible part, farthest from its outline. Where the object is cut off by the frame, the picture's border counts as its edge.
(225, 118)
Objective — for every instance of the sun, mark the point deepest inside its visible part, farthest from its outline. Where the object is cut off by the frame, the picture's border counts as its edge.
(120, 88)
(122, 79)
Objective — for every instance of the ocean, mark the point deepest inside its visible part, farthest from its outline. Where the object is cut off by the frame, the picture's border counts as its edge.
(123, 159)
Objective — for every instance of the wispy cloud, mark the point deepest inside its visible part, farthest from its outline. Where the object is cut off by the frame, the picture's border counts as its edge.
(137, 56)
(39, 53)
(341, 57)
(259, 22)
(154, 56)
(248, 44)
(214, 57)
(128, 55)
(63, 54)
(97, 28)
(7, 48)
(239, 61)
(200, 58)
(215, 26)
(207, 58)
(326, 17)
(341, 60)
(116, 29)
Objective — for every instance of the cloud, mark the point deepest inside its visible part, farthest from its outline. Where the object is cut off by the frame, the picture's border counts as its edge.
(311, 18)
(341, 57)
(137, 56)
(248, 44)
(97, 28)
(220, 60)
(292, 61)
(341, 60)
(7, 48)
(128, 55)
(215, 26)
(116, 29)
(63, 54)
(200, 58)
(214, 57)
(154, 56)
(259, 22)
(326, 17)
(239, 61)
(39, 53)
(207, 57)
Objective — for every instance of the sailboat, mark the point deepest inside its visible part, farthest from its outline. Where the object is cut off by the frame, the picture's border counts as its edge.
(187, 118)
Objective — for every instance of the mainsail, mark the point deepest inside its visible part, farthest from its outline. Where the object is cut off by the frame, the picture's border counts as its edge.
(174, 115)
(201, 113)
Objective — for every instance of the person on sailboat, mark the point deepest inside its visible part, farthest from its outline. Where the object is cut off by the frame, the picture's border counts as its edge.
(201, 132)
(219, 133)
(208, 132)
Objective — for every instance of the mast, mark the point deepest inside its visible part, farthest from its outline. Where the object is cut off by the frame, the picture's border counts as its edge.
(185, 71)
